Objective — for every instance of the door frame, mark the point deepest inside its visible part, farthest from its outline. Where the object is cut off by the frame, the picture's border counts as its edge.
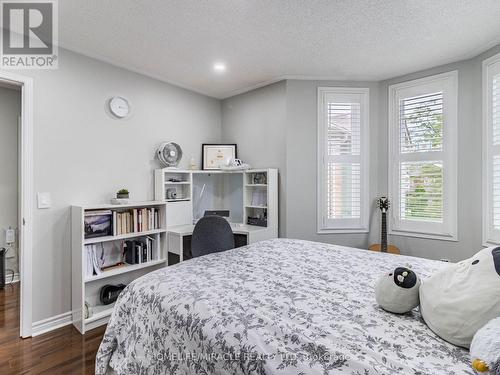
(25, 199)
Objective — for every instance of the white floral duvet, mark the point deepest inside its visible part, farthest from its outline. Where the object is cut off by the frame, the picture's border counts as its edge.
(275, 307)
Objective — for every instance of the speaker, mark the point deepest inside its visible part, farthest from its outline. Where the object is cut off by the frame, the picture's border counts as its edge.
(109, 293)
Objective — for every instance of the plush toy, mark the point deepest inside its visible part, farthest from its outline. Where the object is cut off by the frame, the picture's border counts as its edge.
(485, 348)
(460, 299)
(397, 292)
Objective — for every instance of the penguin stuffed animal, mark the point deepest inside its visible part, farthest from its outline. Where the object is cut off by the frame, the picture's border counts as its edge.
(463, 297)
(398, 291)
(485, 348)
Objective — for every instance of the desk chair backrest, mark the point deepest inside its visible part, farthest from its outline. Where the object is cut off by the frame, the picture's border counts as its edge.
(211, 234)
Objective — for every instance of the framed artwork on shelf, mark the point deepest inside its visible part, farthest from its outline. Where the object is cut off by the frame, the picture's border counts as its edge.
(216, 155)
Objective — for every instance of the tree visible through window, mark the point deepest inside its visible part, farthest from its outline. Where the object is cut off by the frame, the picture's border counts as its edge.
(421, 130)
(422, 156)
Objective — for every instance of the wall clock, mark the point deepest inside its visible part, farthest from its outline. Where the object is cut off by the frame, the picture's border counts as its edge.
(119, 106)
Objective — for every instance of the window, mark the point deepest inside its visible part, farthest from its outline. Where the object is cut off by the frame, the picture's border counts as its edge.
(491, 147)
(422, 157)
(342, 160)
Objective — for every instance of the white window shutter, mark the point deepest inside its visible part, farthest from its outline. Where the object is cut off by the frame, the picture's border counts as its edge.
(422, 165)
(491, 144)
(495, 157)
(342, 159)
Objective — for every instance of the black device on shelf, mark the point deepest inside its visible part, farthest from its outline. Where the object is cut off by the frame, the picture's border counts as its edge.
(109, 293)
(257, 221)
(223, 213)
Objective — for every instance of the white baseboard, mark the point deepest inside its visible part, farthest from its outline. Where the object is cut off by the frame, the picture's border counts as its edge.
(50, 324)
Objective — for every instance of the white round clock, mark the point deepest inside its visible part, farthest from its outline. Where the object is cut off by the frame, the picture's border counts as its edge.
(119, 106)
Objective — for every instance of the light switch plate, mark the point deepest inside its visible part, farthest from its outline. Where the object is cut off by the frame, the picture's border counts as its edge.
(44, 200)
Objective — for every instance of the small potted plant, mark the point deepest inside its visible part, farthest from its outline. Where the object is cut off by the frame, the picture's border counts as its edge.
(123, 194)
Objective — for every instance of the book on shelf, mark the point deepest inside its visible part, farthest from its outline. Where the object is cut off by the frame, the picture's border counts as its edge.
(139, 251)
(135, 221)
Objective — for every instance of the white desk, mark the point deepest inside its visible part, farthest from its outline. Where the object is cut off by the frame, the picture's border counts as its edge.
(176, 234)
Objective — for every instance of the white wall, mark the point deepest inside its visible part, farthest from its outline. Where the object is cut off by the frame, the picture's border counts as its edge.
(84, 156)
(10, 110)
(256, 121)
(301, 159)
(299, 169)
(279, 121)
(469, 166)
(469, 162)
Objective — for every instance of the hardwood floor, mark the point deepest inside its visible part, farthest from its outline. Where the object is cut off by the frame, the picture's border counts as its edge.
(63, 351)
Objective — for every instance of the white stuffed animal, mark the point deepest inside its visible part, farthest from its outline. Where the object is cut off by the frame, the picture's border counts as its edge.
(485, 348)
(460, 299)
(397, 291)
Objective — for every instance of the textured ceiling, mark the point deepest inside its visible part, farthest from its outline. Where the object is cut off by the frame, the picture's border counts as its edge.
(266, 40)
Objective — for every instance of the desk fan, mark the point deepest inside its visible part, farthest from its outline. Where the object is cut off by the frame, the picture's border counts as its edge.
(169, 154)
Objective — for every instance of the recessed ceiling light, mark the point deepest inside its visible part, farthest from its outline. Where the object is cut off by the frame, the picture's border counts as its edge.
(219, 67)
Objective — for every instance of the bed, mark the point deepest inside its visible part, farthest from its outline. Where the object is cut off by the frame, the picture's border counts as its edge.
(275, 307)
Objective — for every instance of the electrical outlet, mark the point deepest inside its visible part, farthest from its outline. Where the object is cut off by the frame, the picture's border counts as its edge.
(10, 236)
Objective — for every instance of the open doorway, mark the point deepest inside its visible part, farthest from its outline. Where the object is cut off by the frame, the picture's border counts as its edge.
(10, 291)
(16, 203)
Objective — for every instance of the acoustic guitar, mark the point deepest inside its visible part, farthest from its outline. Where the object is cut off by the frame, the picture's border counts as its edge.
(383, 204)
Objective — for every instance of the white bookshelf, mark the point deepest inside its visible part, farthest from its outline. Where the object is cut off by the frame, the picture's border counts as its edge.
(268, 190)
(86, 288)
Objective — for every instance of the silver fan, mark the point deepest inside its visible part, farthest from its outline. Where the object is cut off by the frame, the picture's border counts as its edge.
(169, 154)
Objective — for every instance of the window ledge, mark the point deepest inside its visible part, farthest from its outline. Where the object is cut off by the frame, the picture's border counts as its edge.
(491, 243)
(340, 231)
(429, 236)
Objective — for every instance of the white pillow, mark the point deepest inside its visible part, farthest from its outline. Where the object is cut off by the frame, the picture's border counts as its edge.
(457, 301)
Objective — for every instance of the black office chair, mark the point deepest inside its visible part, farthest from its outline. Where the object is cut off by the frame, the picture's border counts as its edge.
(211, 234)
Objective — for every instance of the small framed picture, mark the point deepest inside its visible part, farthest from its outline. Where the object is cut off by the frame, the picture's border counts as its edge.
(98, 223)
(216, 155)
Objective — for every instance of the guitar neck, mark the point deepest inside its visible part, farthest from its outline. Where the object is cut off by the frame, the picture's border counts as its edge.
(383, 233)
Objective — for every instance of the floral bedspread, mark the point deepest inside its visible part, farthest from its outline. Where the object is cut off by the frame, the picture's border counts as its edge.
(275, 307)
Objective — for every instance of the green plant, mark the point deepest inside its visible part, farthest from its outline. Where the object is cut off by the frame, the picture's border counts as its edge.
(123, 191)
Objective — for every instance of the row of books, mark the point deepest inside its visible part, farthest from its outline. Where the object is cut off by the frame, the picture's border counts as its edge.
(139, 251)
(135, 220)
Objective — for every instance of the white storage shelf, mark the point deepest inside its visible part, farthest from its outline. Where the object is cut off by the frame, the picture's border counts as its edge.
(89, 241)
(220, 189)
(124, 269)
(181, 185)
(86, 288)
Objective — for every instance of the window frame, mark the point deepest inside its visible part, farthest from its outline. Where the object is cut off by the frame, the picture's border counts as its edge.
(333, 226)
(488, 71)
(448, 84)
